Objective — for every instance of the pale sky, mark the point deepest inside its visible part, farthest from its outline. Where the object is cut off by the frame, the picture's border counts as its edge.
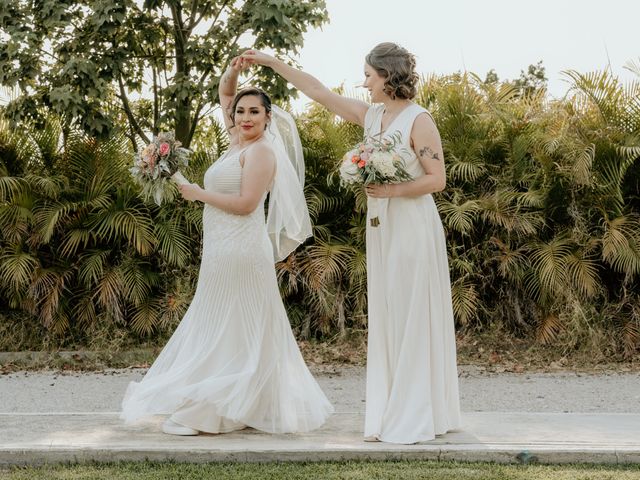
(476, 35)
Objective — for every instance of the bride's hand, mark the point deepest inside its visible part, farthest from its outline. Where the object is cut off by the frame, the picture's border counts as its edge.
(257, 57)
(190, 191)
(238, 64)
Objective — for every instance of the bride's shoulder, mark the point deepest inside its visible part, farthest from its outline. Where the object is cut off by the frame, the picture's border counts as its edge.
(261, 148)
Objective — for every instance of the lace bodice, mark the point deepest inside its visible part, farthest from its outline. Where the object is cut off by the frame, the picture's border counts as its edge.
(225, 176)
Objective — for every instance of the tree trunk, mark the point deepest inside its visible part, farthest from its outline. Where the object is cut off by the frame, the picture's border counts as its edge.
(183, 107)
(183, 123)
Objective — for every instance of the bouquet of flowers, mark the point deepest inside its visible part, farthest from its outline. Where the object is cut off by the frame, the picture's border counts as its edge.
(373, 161)
(158, 164)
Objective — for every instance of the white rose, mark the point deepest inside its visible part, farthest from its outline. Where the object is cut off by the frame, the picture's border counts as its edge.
(349, 172)
(383, 163)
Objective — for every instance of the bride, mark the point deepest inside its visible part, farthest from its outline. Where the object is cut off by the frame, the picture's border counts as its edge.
(233, 361)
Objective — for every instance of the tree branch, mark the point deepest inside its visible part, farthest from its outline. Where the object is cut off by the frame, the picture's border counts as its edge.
(215, 19)
(202, 14)
(176, 13)
(41, 50)
(156, 112)
(131, 135)
(192, 17)
(195, 120)
(127, 109)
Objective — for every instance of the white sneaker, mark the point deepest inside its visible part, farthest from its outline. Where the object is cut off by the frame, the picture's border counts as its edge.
(173, 428)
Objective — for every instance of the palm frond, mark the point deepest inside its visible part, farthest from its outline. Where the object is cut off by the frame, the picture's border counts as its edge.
(75, 241)
(621, 244)
(582, 166)
(288, 276)
(146, 316)
(583, 274)
(172, 242)
(11, 187)
(548, 329)
(600, 89)
(631, 337)
(15, 220)
(465, 170)
(84, 311)
(465, 300)
(92, 266)
(17, 268)
(633, 66)
(138, 280)
(325, 262)
(459, 217)
(357, 278)
(512, 263)
(500, 210)
(131, 224)
(47, 290)
(550, 261)
(108, 292)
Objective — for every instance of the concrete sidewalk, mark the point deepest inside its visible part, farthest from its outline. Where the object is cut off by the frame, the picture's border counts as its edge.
(51, 434)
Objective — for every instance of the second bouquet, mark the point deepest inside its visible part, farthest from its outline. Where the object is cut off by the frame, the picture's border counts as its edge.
(158, 164)
(374, 161)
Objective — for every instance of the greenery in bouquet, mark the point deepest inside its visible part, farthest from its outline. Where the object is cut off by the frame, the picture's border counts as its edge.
(157, 167)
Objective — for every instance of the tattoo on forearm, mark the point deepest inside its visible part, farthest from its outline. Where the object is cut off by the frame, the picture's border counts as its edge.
(428, 151)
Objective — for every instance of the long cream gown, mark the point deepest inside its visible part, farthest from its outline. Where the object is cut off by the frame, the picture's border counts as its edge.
(232, 361)
(412, 380)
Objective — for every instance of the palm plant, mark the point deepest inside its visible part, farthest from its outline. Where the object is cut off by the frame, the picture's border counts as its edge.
(541, 212)
(79, 249)
(324, 283)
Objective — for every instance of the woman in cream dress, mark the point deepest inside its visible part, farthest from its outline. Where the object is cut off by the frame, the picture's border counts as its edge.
(233, 361)
(412, 380)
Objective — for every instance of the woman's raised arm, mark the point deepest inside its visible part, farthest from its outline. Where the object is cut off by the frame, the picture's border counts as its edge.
(350, 109)
(228, 86)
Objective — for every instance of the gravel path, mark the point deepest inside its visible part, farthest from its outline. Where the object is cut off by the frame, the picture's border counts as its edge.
(27, 392)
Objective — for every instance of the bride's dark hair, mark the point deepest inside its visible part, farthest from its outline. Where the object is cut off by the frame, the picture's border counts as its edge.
(254, 91)
(398, 67)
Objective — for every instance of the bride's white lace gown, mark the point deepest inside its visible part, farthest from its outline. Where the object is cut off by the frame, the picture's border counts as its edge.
(233, 361)
(412, 379)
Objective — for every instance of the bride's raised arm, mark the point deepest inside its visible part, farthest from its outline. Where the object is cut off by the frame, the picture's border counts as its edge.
(350, 109)
(228, 86)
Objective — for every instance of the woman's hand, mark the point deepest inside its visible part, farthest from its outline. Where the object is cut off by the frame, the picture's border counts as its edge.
(239, 64)
(257, 57)
(376, 190)
(190, 191)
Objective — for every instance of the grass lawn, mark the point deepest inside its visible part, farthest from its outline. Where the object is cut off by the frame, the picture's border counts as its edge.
(404, 470)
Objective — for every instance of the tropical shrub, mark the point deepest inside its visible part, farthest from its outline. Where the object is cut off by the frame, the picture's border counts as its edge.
(541, 211)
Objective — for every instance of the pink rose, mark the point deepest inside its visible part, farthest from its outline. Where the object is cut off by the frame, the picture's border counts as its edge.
(164, 149)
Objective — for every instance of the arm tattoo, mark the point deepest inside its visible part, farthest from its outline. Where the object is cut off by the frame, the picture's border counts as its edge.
(426, 150)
